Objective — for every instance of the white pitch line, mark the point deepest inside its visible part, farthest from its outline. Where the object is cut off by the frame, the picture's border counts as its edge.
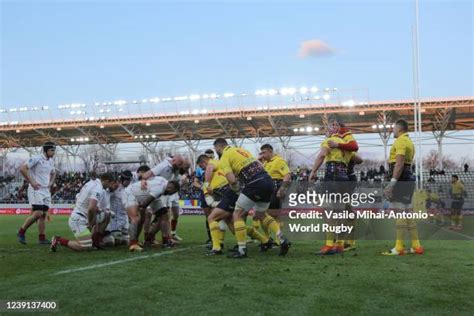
(106, 264)
(452, 231)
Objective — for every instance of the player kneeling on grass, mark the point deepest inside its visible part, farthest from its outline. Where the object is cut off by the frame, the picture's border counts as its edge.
(136, 200)
(87, 221)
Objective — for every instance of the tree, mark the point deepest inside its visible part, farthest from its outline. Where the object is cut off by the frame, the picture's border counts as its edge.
(432, 160)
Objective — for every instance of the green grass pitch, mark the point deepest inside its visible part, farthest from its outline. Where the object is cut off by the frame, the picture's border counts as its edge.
(187, 282)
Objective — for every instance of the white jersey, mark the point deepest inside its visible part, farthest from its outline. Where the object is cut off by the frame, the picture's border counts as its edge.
(91, 190)
(40, 169)
(156, 186)
(104, 202)
(165, 169)
(116, 204)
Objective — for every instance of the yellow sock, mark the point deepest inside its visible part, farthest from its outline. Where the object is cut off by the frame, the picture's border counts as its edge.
(340, 242)
(401, 227)
(351, 242)
(255, 234)
(460, 220)
(330, 239)
(272, 226)
(415, 241)
(240, 233)
(215, 235)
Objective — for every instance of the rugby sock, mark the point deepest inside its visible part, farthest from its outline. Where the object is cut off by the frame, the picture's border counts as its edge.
(165, 239)
(459, 220)
(255, 234)
(22, 231)
(215, 235)
(221, 236)
(241, 235)
(273, 226)
(400, 234)
(330, 239)
(63, 241)
(174, 223)
(340, 242)
(41, 237)
(415, 242)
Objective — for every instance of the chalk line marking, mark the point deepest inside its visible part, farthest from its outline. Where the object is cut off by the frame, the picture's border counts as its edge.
(110, 263)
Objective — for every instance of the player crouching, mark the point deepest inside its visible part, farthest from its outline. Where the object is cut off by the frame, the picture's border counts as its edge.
(87, 221)
(136, 200)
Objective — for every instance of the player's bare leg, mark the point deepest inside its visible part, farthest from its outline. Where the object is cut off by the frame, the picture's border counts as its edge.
(134, 227)
(165, 227)
(42, 229)
(83, 243)
(174, 223)
(34, 216)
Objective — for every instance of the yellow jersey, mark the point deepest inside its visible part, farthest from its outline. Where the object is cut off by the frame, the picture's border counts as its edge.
(457, 188)
(234, 159)
(403, 145)
(277, 168)
(218, 176)
(335, 154)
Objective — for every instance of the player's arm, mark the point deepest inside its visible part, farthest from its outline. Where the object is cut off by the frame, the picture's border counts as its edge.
(285, 171)
(346, 145)
(318, 162)
(25, 172)
(52, 178)
(208, 177)
(92, 212)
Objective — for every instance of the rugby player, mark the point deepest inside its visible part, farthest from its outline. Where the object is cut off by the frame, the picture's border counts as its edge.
(457, 193)
(39, 172)
(280, 173)
(350, 146)
(119, 224)
(136, 200)
(221, 200)
(89, 218)
(400, 190)
(257, 188)
(170, 168)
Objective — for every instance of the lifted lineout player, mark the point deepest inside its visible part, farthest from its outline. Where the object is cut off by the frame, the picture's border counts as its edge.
(38, 171)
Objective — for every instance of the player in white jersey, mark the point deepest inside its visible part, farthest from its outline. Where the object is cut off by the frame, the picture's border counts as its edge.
(89, 217)
(170, 168)
(119, 224)
(136, 199)
(39, 172)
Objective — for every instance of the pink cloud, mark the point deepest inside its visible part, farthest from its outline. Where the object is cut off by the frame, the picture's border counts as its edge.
(315, 48)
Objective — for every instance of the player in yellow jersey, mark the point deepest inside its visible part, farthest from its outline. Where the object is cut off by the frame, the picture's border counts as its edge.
(280, 173)
(401, 187)
(221, 200)
(335, 180)
(350, 146)
(242, 170)
(458, 193)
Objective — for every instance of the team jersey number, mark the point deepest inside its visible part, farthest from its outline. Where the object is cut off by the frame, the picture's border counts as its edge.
(243, 153)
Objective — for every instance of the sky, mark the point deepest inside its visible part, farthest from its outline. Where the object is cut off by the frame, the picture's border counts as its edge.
(63, 51)
(60, 52)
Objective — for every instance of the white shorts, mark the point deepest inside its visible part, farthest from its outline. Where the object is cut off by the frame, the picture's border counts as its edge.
(246, 204)
(39, 197)
(78, 226)
(173, 200)
(118, 223)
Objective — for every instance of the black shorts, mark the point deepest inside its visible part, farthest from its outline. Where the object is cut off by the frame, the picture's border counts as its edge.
(259, 188)
(227, 203)
(457, 205)
(403, 192)
(275, 202)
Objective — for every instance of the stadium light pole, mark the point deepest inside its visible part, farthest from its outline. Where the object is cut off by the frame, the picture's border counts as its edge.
(417, 104)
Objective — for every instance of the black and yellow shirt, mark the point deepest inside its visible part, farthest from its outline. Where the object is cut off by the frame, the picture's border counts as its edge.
(335, 154)
(218, 176)
(277, 168)
(234, 159)
(404, 146)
